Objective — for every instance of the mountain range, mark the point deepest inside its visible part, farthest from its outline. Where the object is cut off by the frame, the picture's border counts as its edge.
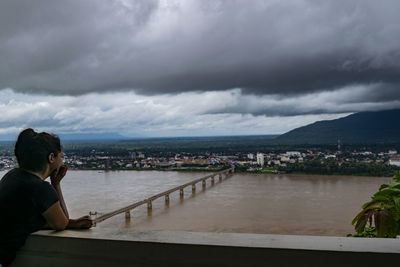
(358, 128)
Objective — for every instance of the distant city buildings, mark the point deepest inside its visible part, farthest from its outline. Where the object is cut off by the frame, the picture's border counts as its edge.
(108, 160)
(7, 162)
(260, 159)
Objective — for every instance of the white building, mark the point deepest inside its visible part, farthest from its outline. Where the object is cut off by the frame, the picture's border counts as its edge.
(285, 159)
(293, 154)
(394, 161)
(366, 153)
(250, 156)
(260, 159)
(276, 162)
(330, 156)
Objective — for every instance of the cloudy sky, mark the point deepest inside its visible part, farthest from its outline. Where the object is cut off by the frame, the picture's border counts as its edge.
(193, 68)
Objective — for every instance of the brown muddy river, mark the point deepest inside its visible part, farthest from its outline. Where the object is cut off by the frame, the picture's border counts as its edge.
(243, 203)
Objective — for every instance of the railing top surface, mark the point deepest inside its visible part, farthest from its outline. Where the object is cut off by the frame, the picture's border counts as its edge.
(152, 198)
(318, 243)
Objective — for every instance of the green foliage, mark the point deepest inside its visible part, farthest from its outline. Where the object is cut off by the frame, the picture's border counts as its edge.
(215, 144)
(369, 231)
(383, 211)
(331, 167)
(396, 177)
(189, 164)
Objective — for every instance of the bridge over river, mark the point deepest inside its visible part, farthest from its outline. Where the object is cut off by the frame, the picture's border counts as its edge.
(180, 188)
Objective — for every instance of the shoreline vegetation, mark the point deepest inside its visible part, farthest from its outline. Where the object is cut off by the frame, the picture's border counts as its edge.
(356, 169)
(330, 167)
(274, 171)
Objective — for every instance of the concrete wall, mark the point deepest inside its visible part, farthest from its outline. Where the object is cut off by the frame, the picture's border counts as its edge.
(98, 247)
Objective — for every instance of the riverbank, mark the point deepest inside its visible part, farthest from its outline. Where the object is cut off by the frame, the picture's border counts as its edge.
(237, 170)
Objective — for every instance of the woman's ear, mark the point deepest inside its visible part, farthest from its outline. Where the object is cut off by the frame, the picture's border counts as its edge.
(51, 158)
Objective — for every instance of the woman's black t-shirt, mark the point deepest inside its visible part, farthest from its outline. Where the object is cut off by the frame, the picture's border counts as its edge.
(23, 199)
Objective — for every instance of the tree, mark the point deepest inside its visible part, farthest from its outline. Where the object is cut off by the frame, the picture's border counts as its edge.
(382, 212)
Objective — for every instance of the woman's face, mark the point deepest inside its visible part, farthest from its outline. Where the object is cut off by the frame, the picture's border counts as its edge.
(57, 162)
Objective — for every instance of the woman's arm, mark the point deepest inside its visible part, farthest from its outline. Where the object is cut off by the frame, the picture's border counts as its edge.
(57, 216)
(57, 187)
(55, 219)
(56, 178)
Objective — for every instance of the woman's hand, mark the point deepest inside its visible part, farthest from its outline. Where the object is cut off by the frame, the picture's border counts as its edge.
(84, 222)
(57, 175)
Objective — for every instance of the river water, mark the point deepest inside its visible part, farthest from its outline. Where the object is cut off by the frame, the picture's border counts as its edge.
(242, 203)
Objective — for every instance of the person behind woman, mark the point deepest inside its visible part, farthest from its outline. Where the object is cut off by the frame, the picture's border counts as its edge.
(28, 203)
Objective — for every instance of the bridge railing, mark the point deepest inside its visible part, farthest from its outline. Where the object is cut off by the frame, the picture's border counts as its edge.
(166, 194)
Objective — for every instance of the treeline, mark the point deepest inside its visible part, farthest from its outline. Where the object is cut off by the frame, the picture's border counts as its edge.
(331, 167)
(173, 145)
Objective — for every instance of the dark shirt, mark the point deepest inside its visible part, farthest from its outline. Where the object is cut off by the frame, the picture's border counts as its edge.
(23, 199)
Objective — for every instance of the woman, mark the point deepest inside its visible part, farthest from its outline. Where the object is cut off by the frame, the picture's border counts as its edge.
(27, 202)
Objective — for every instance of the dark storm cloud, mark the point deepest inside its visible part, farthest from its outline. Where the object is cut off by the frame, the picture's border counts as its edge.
(153, 47)
(355, 98)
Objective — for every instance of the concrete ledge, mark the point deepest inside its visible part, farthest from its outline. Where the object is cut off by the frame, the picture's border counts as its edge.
(127, 247)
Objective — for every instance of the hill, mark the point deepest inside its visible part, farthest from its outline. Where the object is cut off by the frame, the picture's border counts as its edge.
(359, 128)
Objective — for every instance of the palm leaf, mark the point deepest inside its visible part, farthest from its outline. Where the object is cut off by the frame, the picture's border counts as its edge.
(396, 201)
(362, 222)
(396, 177)
(387, 192)
(379, 201)
(383, 186)
(386, 225)
(364, 211)
(394, 185)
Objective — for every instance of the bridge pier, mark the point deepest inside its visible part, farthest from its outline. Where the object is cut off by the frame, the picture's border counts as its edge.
(204, 183)
(181, 192)
(220, 177)
(167, 199)
(212, 180)
(127, 214)
(193, 188)
(149, 205)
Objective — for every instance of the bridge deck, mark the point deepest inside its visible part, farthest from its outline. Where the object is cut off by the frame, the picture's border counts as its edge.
(148, 200)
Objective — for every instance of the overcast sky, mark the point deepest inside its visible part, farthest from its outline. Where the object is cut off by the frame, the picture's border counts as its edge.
(191, 68)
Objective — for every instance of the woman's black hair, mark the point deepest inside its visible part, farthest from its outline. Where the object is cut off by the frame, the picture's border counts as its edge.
(32, 149)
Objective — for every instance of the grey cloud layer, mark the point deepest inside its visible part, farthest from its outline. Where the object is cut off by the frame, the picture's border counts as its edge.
(132, 114)
(349, 99)
(263, 47)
